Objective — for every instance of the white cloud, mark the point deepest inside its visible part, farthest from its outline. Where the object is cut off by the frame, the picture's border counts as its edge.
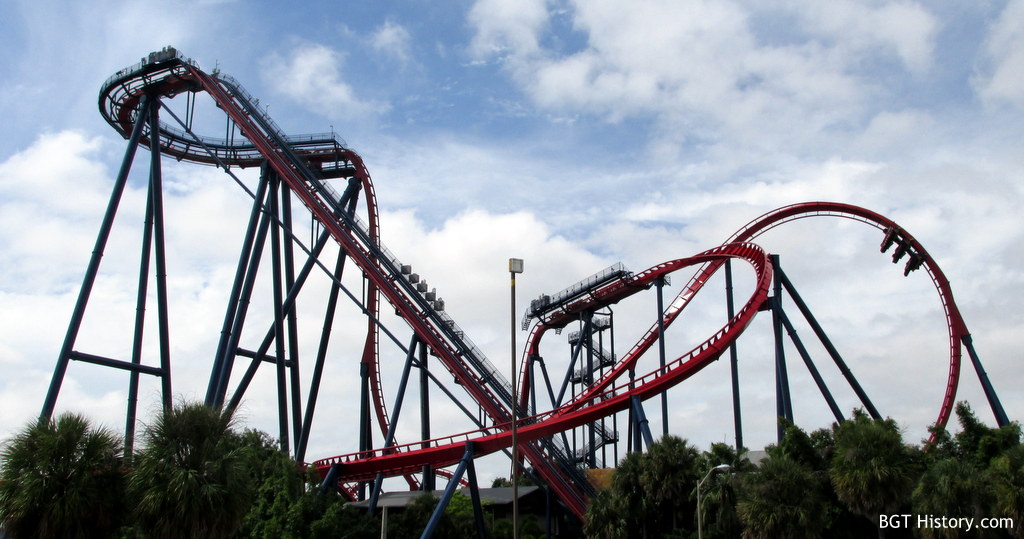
(392, 39)
(507, 27)
(1000, 80)
(705, 77)
(903, 29)
(312, 75)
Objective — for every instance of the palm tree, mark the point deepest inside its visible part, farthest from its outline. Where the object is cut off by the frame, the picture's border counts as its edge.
(630, 498)
(1007, 473)
(782, 498)
(191, 480)
(718, 496)
(669, 476)
(952, 487)
(604, 518)
(872, 471)
(61, 478)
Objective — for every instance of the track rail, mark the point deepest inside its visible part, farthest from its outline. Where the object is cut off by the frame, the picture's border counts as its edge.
(957, 328)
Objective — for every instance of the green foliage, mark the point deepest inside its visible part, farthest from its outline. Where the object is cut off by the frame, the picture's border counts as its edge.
(977, 472)
(872, 470)
(783, 498)
(652, 494)
(1007, 479)
(952, 487)
(192, 478)
(719, 495)
(279, 486)
(61, 478)
(979, 443)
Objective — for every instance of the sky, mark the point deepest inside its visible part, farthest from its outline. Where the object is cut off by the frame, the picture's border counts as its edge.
(573, 135)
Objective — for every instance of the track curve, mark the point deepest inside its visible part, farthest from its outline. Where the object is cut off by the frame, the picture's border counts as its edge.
(957, 328)
(585, 409)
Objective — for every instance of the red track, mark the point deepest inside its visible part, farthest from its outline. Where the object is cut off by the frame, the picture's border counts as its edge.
(169, 74)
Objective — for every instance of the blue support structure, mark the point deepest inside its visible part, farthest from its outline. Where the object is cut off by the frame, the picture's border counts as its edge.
(241, 292)
(827, 343)
(734, 360)
(802, 350)
(990, 393)
(427, 482)
(465, 465)
(640, 425)
(153, 247)
(783, 403)
(389, 440)
(660, 283)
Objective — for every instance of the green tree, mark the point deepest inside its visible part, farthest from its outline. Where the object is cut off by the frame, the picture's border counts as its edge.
(651, 494)
(61, 478)
(191, 480)
(718, 495)
(669, 476)
(980, 443)
(604, 518)
(952, 487)
(873, 471)
(1007, 476)
(279, 487)
(783, 498)
(977, 472)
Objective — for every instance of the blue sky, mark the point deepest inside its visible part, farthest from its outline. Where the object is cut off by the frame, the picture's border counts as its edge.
(572, 134)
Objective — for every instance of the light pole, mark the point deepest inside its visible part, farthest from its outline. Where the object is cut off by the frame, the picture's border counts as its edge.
(515, 265)
(700, 518)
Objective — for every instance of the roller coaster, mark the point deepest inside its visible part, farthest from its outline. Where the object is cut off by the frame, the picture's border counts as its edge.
(328, 179)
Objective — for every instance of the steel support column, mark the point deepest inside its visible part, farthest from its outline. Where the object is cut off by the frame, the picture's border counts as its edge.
(427, 481)
(660, 283)
(986, 385)
(783, 403)
(737, 414)
(827, 343)
(94, 261)
(238, 299)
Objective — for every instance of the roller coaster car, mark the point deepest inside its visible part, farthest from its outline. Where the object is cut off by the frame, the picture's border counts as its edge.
(162, 55)
(890, 238)
(901, 250)
(914, 263)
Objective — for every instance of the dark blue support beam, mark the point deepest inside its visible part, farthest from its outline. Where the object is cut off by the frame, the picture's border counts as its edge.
(588, 379)
(661, 350)
(584, 334)
(115, 363)
(449, 491)
(474, 494)
(427, 479)
(217, 386)
(279, 315)
(783, 403)
(734, 367)
(288, 306)
(410, 357)
(330, 481)
(641, 425)
(802, 350)
(986, 385)
(827, 343)
(140, 317)
(365, 440)
(293, 325)
(94, 261)
(347, 203)
(160, 252)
